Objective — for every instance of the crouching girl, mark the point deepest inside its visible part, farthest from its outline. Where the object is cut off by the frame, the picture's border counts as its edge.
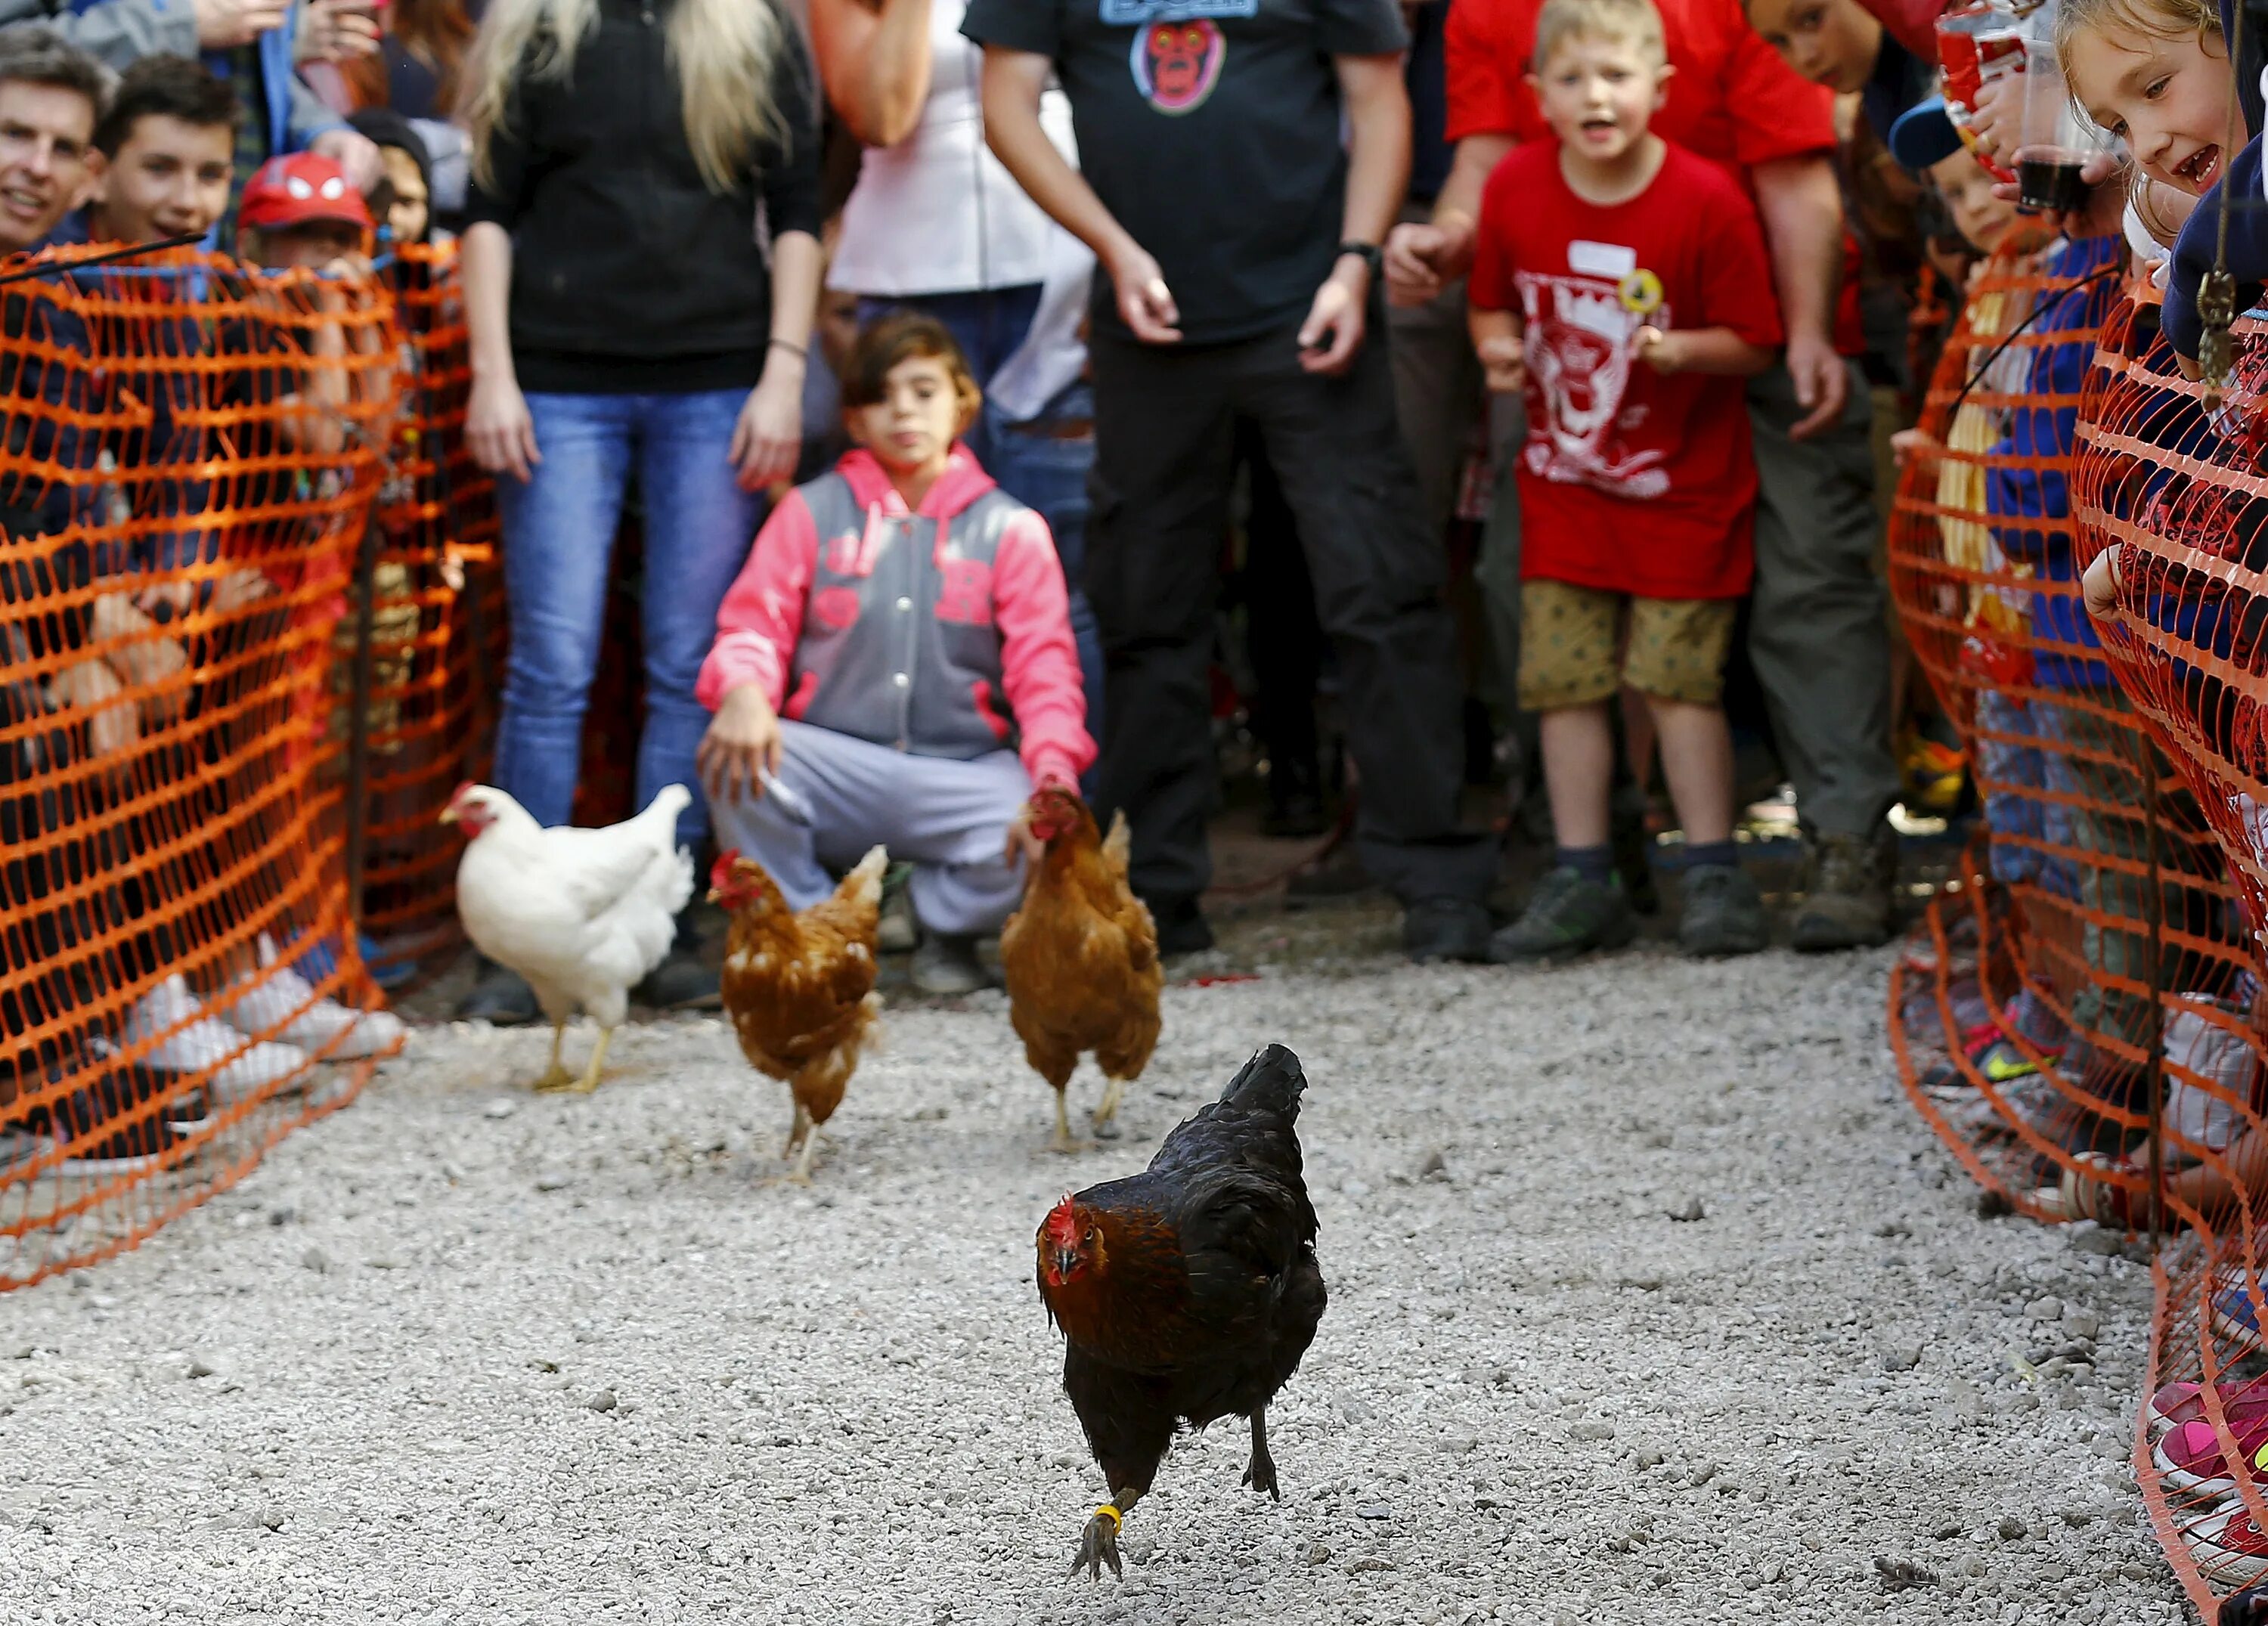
(895, 663)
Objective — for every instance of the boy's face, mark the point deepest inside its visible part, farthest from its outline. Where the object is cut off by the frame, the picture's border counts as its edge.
(169, 179)
(1599, 94)
(1830, 42)
(412, 209)
(915, 424)
(309, 246)
(1966, 186)
(46, 132)
(2167, 99)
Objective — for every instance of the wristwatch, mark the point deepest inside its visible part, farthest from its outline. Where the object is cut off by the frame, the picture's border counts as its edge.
(1368, 252)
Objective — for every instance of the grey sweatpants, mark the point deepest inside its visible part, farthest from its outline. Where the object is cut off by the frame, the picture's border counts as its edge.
(843, 795)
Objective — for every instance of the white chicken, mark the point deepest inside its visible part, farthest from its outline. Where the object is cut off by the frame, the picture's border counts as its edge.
(583, 914)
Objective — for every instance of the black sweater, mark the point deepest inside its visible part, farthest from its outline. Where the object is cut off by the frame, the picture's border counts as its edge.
(629, 275)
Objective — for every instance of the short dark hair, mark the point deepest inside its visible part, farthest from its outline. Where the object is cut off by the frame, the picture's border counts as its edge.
(905, 336)
(173, 87)
(38, 53)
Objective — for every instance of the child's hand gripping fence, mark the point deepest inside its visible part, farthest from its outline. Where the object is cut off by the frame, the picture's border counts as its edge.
(189, 455)
(437, 629)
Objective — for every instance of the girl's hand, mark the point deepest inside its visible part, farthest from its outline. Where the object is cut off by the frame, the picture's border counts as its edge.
(498, 429)
(2100, 583)
(768, 439)
(742, 744)
(1021, 842)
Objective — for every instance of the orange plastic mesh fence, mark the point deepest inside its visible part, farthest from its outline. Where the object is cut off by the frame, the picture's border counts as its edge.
(189, 454)
(438, 629)
(2175, 489)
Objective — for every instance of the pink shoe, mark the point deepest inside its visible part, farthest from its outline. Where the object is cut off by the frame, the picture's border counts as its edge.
(2190, 1461)
(2184, 1402)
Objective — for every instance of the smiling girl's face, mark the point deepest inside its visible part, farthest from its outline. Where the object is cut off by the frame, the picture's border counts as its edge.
(2166, 99)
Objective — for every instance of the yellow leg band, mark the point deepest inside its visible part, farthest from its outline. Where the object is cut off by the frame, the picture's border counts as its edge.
(1111, 1509)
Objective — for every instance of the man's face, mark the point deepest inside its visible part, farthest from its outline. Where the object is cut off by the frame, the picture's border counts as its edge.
(1829, 42)
(45, 132)
(168, 179)
(412, 211)
(309, 246)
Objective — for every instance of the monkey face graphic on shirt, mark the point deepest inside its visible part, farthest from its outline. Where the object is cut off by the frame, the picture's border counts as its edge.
(1176, 63)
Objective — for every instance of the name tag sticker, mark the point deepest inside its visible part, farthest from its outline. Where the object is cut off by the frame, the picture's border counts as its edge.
(1612, 259)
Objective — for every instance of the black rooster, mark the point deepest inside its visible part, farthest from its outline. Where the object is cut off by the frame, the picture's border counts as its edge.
(1187, 1293)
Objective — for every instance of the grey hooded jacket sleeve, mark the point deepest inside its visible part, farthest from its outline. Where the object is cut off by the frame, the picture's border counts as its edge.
(115, 32)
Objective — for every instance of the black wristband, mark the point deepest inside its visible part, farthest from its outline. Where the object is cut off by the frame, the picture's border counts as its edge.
(1368, 252)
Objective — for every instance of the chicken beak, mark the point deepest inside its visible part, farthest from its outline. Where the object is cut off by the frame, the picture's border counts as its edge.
(715, 896)
(1066, 1261)
(449, 813)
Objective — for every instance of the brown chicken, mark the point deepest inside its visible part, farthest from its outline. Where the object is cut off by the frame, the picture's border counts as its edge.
(800, 987)
(1081, 957)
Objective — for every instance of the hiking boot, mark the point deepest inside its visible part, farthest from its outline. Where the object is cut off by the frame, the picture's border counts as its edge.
(1437, 929)
(499, 997)
(1336, 878)
(1181, 926)
(1724, 913)
(1295, 798)
(896, 933)
(945, 963)
(1846, 893)
(1566, 915)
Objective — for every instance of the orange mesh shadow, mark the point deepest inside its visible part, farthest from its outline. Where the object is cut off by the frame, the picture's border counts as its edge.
(189, 455)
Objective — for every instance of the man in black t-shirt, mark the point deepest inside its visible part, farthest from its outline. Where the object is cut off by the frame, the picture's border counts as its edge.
(1238, 237)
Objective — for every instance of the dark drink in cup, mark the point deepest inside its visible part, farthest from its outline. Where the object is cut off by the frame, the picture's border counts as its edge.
(2048, 180)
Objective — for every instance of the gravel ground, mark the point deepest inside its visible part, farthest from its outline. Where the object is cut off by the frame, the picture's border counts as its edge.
(465, 1354)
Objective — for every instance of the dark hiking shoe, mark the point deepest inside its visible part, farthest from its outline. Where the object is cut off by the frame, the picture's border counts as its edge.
(945, 964)
(1846, 893)
(1566, 915)
(1181, 926)
(1438, 929)
(1724, 913)
(499, 996)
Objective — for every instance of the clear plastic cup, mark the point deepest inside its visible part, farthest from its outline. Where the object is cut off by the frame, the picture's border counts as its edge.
(2057, 141)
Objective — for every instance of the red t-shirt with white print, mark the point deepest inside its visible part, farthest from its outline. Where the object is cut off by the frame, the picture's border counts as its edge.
(1631, 480)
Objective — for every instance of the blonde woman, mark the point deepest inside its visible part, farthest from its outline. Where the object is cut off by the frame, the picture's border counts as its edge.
(625, 314)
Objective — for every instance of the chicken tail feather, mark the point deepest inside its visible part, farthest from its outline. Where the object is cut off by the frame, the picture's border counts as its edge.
(1271, 1080)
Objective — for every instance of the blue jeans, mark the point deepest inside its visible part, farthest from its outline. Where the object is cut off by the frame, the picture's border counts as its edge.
(558, 543)
(1031, 460)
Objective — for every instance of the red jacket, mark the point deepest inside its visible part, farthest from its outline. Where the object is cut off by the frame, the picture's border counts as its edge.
(942, 632)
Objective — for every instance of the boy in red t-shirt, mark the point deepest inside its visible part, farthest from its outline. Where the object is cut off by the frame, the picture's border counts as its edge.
(1622, 283)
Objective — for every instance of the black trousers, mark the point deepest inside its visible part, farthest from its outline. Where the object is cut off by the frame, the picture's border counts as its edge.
(1164, 424)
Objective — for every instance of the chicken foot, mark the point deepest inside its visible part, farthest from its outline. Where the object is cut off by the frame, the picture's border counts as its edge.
(802, 1142)
(557, 1081)
(1105, 1110)
(556, 1077)
(1260, 1474)
(1062, 1142)
(1098, 1543)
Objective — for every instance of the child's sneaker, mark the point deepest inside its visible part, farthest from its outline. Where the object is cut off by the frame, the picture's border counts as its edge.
(1724, 913)
(286, 1001)
(1567, 914)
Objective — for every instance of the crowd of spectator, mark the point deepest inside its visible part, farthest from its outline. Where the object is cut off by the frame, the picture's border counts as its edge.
(1061, 312)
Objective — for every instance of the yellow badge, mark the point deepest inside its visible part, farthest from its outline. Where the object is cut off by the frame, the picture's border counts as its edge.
(1641, 293)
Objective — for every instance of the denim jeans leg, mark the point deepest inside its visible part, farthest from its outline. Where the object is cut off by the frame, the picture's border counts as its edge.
(558, 541)
(1045, 466)
(699, 526)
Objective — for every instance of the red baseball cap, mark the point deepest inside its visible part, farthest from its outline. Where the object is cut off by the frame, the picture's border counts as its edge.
(297, 188)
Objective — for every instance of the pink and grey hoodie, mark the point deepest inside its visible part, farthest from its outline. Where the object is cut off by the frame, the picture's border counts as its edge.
(943, 632)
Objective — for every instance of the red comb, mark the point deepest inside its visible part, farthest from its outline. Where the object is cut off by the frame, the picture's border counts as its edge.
(462, 790)
(1063, 1223)
(721, 871)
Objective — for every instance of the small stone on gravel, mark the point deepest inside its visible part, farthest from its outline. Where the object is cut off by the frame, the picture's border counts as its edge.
(2012, 1528)
(603, 1401)
(500, 1109)
(2048, 1307)
(1900, 1357)
(1688, 1210)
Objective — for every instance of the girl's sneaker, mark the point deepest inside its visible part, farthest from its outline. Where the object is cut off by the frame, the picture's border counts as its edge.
(1566, 915)
(2191, 1463)
(2228, 1548)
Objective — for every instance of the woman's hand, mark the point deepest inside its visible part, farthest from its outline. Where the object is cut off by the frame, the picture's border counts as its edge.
(768, 439)
(498, 429)
(334, 31)
(742, 745)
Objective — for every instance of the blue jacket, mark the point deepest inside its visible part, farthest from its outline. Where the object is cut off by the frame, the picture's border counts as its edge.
(295, 115)
(2199, 245)
(2050, 433)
